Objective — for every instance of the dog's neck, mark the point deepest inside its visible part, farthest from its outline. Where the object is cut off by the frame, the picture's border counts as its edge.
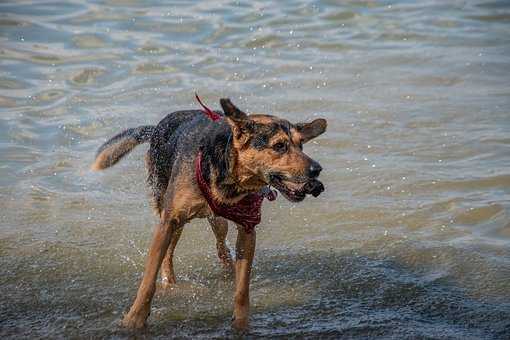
(229, 190)
(228, 181)
(246, 212)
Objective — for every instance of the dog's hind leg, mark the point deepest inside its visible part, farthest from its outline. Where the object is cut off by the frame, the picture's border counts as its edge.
(167, 267)
(220, 228)
(161, 239)
(180, 207)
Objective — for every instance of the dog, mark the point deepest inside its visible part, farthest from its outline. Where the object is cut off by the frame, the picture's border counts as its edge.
(220, 166)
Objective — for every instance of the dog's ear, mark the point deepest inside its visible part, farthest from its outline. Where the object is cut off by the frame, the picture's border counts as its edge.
(308, 131)
(231, 111)
(242, 125)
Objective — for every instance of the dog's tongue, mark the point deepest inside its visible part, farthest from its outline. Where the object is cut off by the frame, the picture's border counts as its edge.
(269, 193)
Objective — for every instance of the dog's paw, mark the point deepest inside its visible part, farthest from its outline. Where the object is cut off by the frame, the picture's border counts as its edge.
(240, 325)
(132, 322)
(226, 261)
(168, 283)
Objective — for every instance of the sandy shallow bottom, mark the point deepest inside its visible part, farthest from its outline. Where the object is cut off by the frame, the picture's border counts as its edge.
(410, 240)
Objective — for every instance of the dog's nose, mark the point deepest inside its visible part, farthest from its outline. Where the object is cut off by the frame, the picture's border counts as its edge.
(314, 170)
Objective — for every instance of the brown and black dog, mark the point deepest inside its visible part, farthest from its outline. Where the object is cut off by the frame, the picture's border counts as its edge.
(217, 169)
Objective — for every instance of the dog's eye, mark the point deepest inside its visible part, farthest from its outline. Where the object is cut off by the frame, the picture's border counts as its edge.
(280, 147)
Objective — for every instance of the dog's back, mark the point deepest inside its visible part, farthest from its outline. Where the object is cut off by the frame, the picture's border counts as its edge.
(173, 143)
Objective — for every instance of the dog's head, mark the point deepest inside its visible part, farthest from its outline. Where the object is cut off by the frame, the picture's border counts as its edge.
(270, 151)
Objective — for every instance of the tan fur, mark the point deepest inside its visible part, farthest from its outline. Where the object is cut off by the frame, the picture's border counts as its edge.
(220, 228)
(245, 251)
(251, 162)
(263, 118)
(219, 197)
(167, 267)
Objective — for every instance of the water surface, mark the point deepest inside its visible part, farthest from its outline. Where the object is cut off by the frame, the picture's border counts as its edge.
(411, 238)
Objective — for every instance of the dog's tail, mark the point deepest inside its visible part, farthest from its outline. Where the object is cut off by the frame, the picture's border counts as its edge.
(120, 145)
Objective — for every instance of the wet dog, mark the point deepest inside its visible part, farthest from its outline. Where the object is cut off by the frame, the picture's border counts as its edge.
(219, 166)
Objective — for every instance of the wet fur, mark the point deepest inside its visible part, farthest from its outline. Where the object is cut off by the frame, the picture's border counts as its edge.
(120, 145)
(177, 138)
(231, 149)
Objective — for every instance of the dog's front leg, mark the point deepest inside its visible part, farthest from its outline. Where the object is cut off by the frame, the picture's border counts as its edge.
(245, 250)
(167, 266)
(140, 309)
(220, 228)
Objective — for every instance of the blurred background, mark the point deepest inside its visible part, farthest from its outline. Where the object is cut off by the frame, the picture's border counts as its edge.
(411, 238)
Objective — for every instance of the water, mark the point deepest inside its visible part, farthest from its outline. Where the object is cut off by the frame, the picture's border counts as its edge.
(411, 238)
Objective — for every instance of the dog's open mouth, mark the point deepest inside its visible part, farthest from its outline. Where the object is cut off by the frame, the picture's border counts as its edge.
(296, 191)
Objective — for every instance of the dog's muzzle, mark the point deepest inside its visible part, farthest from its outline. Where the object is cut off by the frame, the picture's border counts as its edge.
(313, 187)
(296, 191)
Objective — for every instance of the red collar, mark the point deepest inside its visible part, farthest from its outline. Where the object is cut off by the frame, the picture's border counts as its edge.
(246, 212)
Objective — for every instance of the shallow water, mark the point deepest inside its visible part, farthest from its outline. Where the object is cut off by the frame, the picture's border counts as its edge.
(411, 238)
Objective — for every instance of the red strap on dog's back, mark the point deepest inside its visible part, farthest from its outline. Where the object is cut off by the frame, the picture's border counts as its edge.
(208, 112)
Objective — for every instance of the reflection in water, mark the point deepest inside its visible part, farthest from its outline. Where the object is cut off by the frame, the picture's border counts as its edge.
(411, 238)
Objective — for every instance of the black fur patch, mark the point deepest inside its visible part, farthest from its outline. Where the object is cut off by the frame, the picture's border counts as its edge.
(260, 141)
(263, 132)
(161, 154)
(216, 151)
